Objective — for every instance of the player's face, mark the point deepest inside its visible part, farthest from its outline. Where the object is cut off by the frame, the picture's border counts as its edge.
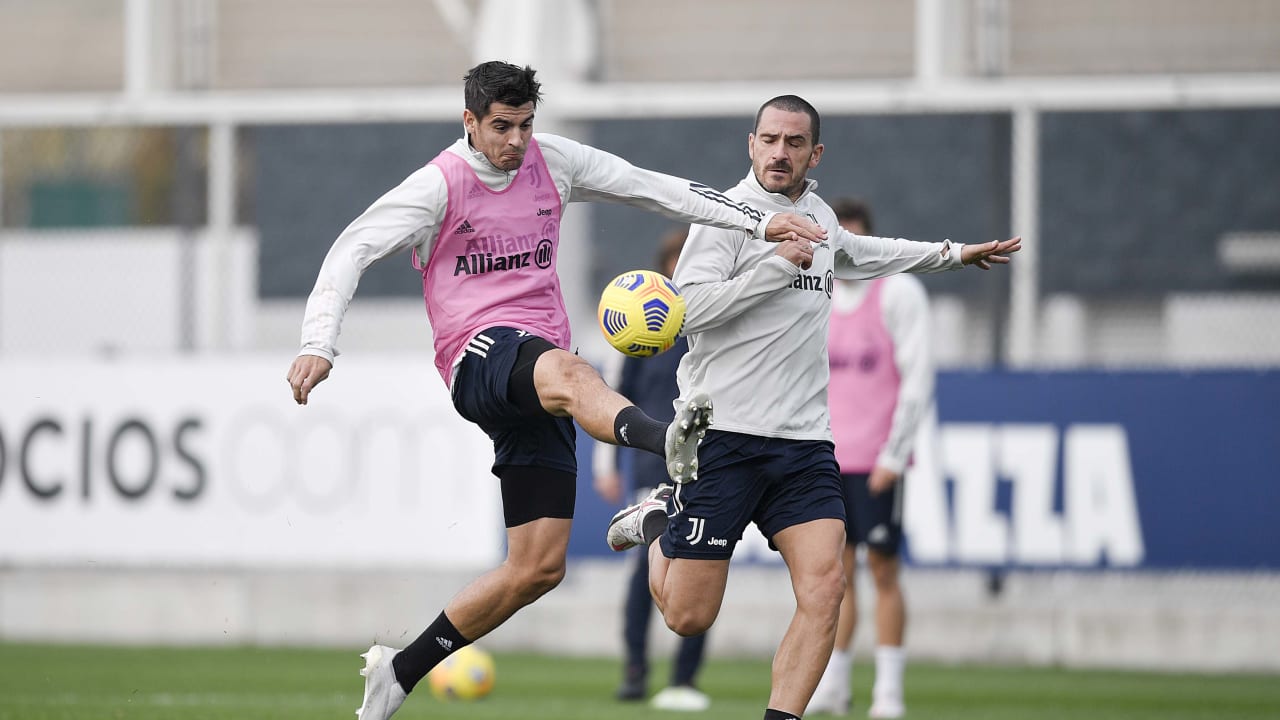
(782, 151)
(503, 134)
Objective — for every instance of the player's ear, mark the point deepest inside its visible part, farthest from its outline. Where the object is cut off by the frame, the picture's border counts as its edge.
(470, 122)
(815, 156)
(751, 146)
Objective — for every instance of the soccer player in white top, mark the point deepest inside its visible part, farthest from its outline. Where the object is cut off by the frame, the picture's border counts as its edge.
(757, 323)
(482, 223)
(882, 381)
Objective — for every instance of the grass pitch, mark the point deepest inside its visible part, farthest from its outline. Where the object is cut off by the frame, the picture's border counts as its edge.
(42, 682)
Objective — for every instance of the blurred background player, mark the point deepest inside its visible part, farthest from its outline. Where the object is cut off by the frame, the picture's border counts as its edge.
(882, 380)
(651, 384)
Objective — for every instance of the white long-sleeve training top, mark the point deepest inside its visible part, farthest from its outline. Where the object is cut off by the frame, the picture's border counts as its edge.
(757, 324)
(904, 309)
(409, 216)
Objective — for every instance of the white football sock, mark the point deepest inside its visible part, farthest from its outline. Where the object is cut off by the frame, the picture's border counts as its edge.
(890, 662)
(841, 662)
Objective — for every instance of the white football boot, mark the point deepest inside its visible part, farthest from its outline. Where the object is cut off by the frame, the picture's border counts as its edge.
(887, 709)
(382, 692)
(681, 698)
(683, 434)
(626, 529)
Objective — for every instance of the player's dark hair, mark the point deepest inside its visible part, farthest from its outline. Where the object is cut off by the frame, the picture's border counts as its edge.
(501, 82)
(670, 246)
(854, 210)
(793, 103)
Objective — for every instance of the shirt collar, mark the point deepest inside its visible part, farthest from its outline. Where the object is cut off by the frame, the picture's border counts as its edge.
(752, 182)
(482, 160)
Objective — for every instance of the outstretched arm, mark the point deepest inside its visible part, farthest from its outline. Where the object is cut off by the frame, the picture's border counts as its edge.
(406, 216)
(596, 175)
(862, 257)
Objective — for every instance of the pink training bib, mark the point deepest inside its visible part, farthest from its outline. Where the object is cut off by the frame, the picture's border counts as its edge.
(494, 261)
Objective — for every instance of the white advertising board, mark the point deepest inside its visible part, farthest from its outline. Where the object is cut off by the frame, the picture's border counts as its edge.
(209, 461)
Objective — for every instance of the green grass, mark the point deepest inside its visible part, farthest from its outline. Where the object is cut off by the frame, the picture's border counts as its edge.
(42, 682)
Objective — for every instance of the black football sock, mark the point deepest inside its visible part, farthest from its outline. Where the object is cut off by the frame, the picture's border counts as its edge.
(436, 643)
(633, 428)
(654, 524)
(772, 714)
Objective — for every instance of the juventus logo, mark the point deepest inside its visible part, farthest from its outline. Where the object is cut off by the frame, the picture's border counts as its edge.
(695, 534)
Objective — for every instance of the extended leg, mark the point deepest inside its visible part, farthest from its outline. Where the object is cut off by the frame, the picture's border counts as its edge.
(834, 693)
(813, 554)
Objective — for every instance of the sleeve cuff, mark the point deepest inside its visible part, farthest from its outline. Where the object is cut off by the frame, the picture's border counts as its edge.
(887, 462)
(759, 232)
(319, 352)
(954, 252)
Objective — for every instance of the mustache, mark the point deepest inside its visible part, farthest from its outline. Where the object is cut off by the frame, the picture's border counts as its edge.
(784, 167)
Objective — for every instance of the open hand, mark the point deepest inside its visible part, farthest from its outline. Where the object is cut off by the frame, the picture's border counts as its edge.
(995, 251)
(789, 226)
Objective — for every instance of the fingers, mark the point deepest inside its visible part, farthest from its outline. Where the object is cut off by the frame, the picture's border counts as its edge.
(797, 252)
(996, 252)
(809, 230)
(304, 375)
(789, 226)
(301, 388)
(1012, 245)
(803, 253)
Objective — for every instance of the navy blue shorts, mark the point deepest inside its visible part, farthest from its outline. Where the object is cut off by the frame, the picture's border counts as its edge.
(873, 520)
(747, 478)
(521, 435)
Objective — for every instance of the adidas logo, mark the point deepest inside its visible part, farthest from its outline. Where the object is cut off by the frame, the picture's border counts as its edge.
(464, 228)
(622, 435)
(475, 191)
(445, 643)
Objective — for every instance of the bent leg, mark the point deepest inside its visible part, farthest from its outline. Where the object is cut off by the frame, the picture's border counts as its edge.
(567, 385)
(689, 592)
(812, 551)
(535, 565)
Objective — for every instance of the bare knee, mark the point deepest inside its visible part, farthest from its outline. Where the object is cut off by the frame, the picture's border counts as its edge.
(822, 592)
(535, 580)
(690, 621)
(688, 616)
(561, 378)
